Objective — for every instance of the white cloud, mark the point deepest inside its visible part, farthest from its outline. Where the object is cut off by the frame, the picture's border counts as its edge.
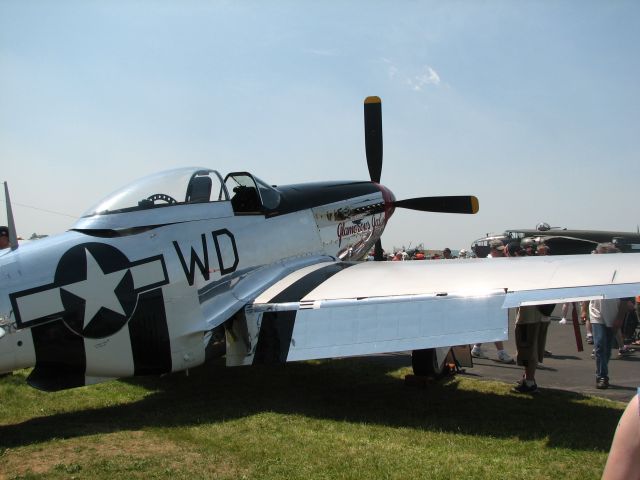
(416, 82)
(428, 77)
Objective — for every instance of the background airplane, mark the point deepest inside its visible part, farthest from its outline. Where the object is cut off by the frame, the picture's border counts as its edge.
(562, 241)
(187, 264)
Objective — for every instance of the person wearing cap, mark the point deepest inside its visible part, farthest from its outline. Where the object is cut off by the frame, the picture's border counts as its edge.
(497, 250)
(513, 249)
(529, 246)
(4, 238)
(462, 254)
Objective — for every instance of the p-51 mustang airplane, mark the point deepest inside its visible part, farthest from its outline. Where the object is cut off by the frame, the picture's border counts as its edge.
(185, 264)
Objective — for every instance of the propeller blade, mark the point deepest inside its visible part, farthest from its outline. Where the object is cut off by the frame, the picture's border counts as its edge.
(454, 204)
(373, 136)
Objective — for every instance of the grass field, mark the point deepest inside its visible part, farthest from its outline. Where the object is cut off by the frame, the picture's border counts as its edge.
(333, 419)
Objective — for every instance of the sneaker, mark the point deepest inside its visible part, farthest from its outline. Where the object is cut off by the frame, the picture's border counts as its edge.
(563, 321)
(602, 383)
(547, 353)
(522, 387)
(624, 351)
(593, 353)
(590, 339)
(504, 357)
(477, 352)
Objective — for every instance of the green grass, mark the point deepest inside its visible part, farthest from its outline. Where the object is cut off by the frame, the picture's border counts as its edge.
(333, 419)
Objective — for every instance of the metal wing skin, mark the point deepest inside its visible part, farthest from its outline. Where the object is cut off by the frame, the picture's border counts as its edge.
(342, 309)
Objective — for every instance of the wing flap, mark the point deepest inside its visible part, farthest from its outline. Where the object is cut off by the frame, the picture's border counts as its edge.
(362, 328)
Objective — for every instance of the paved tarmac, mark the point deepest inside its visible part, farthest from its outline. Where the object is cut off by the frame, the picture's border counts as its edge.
(566, 369)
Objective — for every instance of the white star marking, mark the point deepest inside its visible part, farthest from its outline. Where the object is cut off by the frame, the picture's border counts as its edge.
(98, 290)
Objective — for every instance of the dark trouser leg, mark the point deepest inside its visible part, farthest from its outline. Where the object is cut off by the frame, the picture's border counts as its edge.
(602, 340)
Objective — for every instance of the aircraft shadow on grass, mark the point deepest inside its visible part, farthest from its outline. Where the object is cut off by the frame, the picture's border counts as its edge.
(351, 390)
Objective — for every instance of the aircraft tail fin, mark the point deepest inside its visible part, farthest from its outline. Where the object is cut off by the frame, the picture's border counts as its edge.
(13, 236)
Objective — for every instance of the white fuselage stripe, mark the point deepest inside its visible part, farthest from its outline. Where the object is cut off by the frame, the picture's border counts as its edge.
(149, 273)
(40, 304)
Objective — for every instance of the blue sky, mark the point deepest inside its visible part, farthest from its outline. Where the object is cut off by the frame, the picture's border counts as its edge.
(534, 107)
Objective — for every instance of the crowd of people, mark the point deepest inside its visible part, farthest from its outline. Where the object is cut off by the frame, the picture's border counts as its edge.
(418, 254)
(608, 322)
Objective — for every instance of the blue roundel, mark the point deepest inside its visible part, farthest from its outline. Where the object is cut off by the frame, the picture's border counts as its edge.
(97, 289)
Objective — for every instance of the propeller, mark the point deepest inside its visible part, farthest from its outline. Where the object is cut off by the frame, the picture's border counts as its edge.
(467, 204)
(373, 136)
(451, 204)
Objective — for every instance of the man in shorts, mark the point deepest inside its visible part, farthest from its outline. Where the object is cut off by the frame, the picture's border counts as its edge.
(532, 324)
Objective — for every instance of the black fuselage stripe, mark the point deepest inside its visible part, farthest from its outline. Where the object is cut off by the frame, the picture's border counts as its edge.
(60, 357)
(149, 334)
(276, 328)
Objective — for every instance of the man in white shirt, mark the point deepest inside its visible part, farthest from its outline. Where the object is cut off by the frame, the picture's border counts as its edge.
(604, 315)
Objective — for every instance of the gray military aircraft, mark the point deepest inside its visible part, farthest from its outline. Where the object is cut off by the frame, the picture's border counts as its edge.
(562, 241)
(187, 264)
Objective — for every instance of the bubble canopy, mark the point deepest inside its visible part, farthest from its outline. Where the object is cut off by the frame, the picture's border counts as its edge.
(178, 186)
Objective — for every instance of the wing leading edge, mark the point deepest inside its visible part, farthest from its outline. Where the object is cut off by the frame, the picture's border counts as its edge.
(346, 309)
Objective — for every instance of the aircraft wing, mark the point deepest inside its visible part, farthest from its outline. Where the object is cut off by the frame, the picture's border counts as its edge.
(335, 309)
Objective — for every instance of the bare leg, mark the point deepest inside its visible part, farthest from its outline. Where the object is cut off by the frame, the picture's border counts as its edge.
(530, 371)
(624, 457)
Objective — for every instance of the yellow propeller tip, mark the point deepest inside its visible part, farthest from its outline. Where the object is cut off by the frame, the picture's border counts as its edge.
(475, 205)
